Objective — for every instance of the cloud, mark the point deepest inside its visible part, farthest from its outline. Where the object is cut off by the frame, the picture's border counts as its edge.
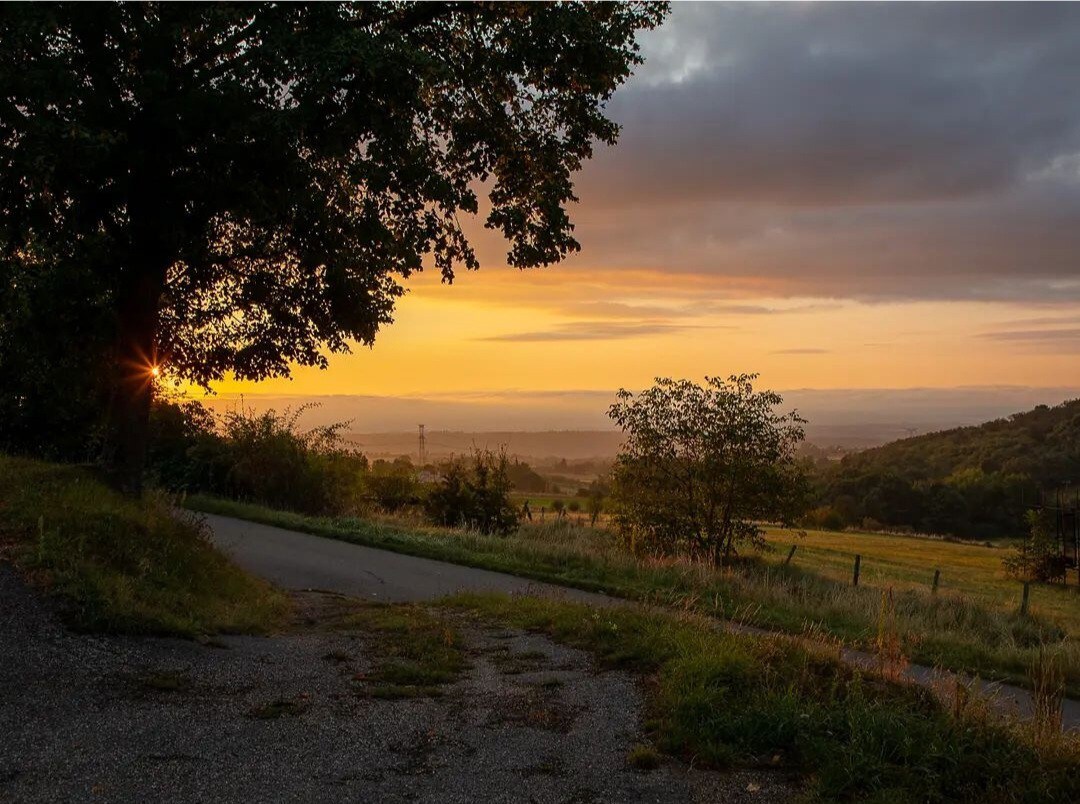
(803, 351)
(869, 152)
(1035, 335)
(592, 331)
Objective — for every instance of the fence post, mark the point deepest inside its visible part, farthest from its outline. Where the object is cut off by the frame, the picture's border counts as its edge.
(1024, 600)
(937, 579)
(855, 576)
(790, 554)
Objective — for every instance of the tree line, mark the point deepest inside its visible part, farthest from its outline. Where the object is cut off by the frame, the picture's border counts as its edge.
(969, 482)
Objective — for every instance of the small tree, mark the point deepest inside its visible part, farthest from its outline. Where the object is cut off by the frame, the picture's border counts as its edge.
(1038, 557)
(704, 466)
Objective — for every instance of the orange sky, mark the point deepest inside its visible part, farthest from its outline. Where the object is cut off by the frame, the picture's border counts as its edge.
(881, 199)
(572, 327)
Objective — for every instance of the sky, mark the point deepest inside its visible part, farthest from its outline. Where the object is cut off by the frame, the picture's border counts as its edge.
(843, 198)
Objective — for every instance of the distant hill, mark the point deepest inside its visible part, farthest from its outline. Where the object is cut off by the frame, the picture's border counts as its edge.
(967, 481)
(1043, 444)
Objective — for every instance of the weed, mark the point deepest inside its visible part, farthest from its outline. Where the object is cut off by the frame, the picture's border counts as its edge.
(643, 757)
(282, 707)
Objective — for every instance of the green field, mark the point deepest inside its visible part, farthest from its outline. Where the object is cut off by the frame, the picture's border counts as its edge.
(907, 562)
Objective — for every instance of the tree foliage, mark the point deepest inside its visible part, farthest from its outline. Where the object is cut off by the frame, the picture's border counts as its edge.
(474, 493)
(248, 183)
(970, 482)
(704, 466)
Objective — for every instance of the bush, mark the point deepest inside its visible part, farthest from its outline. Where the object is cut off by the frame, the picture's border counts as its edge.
(1039, 557)
(392, 485)
(261, 457)
(573, 506)
(824, 517)
(474, 493)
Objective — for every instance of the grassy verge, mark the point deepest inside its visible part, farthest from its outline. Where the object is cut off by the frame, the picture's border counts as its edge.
(948, 629)
(722, 699)
(124, 565)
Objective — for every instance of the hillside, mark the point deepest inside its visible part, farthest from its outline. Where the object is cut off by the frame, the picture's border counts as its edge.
(968, 481)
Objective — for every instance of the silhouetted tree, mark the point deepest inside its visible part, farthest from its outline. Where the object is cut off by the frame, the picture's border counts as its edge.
(704, 466)
(248, 181)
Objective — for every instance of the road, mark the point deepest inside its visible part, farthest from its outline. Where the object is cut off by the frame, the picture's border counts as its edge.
(296, 560)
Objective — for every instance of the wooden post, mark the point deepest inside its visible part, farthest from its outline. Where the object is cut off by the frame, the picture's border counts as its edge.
(790, 554)
(855, 576)
(1024, 601)
(937, 580)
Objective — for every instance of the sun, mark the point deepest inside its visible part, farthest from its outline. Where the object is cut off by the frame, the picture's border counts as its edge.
(155, 371)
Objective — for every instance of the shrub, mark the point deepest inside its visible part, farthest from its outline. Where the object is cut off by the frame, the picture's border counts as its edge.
(823, 517)
(392, 485)
(474, 493)
(1038, 557)
(573, 506)
(262, 457)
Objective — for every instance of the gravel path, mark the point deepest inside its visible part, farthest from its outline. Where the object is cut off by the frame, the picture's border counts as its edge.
(89, 718)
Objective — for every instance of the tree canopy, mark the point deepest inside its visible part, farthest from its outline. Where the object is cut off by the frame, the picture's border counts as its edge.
(704, 466)
(247, 184)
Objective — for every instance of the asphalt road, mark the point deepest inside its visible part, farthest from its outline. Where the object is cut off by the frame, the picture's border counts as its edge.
(301, 561)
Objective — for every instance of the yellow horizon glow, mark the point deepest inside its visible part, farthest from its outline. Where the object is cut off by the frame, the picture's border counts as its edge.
(446, 338)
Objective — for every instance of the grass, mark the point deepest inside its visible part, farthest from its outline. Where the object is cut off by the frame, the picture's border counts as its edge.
(950, 629)
(419, 652)
(721, 699)
(908, 563)
(124, 565)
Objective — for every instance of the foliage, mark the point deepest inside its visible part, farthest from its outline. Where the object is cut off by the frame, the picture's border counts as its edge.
(524, 478)
(264, 457)
(474, 493)
(246, 182)
(704, 466)
(970, 482)
(50, 357)
(125, 565)
(392, 484)
(722, 698)
(1039, 556)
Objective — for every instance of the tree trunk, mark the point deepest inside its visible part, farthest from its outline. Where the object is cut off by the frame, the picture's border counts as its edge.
(134, 359)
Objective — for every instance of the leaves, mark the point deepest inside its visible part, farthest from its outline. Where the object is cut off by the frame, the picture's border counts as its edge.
(703, 466)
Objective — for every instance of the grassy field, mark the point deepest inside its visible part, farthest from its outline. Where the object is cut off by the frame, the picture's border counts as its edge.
(124, 565)
(907, 562)
(949, 629)
(720, 699)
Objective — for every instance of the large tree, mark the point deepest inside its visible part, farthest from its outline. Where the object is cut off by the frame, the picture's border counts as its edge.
(248, 183)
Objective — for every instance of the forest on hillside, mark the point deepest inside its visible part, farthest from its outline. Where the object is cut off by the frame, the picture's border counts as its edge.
(968, 482)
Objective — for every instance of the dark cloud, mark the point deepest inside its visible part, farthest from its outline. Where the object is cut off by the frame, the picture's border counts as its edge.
(873, 151)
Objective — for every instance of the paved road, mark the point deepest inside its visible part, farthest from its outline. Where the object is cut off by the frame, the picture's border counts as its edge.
(301, 561)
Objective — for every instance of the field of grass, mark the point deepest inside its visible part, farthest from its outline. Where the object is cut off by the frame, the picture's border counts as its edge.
(949, 629)
(124, 565)
(908, 562)
(720, 699)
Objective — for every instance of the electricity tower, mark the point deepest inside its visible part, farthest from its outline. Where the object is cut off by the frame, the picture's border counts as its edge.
(423, 446)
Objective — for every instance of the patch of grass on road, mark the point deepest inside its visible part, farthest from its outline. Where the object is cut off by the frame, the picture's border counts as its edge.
(124, 565)
(418, 652)
(723, 699)
(949, 630)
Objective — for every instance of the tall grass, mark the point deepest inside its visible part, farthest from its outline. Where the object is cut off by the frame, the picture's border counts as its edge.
(947, 629)
(121, 564)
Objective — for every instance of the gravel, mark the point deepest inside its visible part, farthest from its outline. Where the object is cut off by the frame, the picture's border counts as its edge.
(92, 718)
